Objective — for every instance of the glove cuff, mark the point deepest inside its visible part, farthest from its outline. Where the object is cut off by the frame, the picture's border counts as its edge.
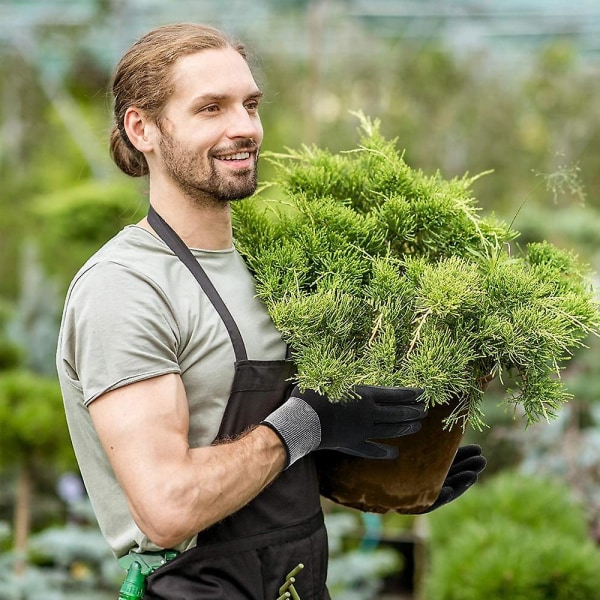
(298, 426)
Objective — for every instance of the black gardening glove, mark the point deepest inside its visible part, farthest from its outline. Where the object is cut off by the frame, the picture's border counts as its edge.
(308, 421)
(463, 473)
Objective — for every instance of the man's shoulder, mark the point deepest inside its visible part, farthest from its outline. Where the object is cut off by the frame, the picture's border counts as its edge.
(132, 248)
(133, 253)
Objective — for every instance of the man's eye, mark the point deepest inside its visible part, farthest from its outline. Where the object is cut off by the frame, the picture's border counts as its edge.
(252, 106)
(209, 109)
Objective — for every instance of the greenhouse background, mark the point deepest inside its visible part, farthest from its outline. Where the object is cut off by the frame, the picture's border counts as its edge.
(508, 87)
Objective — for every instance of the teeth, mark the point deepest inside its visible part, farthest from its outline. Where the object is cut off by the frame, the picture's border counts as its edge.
(238, 156)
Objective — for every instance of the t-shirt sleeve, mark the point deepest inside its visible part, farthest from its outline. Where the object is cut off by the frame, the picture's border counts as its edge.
(118, 328)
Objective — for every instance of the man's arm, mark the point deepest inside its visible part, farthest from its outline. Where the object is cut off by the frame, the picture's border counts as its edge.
(173, 490)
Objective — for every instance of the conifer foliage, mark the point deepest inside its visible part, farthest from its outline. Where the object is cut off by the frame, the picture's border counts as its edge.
(376, 273)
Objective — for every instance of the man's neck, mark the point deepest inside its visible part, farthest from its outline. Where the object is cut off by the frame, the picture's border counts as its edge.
(200, 225)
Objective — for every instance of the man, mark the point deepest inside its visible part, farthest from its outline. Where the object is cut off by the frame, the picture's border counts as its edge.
(176, 385)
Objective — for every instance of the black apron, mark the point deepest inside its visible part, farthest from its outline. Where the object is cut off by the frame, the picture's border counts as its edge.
(248, 554)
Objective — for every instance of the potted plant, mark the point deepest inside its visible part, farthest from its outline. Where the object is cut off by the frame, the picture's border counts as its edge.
(378, 274)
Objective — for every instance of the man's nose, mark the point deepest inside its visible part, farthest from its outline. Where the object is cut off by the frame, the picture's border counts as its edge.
(244, 124)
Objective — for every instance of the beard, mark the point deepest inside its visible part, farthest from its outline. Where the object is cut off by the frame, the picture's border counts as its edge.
(202, 182)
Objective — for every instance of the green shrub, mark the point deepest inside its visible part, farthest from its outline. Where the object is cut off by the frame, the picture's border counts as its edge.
(378, 274)
(514, 537)
(75, 222)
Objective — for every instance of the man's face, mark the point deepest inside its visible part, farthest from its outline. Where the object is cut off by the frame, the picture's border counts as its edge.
(210, 129)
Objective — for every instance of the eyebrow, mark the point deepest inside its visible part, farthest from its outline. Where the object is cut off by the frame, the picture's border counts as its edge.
(212, 97)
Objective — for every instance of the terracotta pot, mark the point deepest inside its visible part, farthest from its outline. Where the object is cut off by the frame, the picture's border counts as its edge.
(409, 484)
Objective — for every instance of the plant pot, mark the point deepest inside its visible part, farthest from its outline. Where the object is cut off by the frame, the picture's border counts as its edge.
(408, 484)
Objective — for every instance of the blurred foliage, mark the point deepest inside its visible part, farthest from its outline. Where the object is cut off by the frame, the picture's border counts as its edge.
(517, 537)
(78, 221)
(65, 563)
(11, 353)
(355, 569)
(32, 422)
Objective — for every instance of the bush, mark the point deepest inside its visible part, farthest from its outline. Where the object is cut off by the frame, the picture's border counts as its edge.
(77, 221)
(378, 274)
(515, 537)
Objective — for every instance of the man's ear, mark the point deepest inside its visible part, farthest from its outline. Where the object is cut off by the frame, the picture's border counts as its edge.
(139, 129)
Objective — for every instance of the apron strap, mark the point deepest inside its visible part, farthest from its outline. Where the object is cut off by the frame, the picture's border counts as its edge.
(176, 244)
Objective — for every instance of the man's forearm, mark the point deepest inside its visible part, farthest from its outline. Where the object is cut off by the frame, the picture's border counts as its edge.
(210, 484)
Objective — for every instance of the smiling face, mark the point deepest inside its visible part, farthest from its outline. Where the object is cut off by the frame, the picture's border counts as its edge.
(210, 131)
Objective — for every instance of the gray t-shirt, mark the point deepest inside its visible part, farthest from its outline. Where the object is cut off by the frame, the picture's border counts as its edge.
(133, 312)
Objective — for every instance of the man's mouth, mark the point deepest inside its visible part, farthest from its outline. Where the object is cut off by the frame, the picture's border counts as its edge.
(236, 156)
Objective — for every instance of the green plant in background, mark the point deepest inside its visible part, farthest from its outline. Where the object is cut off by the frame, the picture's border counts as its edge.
(376, 273)
(79, 220)
(11, 354)
(64, 563)
(515, 536)
(34, 432)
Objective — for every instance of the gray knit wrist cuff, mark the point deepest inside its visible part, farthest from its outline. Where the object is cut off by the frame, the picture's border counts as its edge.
(299, 427)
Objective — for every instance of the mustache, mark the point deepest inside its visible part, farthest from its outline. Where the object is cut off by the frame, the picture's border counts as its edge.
(240, 145)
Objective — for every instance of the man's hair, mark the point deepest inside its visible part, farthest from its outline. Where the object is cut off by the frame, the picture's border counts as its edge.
(143, 78)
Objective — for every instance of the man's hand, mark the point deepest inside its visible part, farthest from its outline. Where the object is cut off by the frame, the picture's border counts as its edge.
(463, 473)
(309, 421)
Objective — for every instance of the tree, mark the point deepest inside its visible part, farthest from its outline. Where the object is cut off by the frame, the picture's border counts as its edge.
(34, 432)
(34, 435)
